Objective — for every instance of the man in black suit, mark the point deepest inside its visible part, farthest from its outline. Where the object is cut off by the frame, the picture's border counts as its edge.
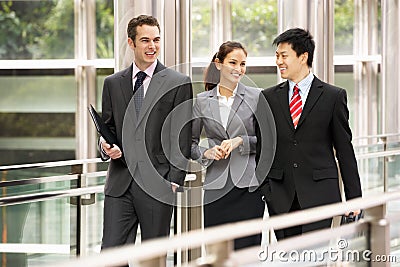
(149, 162)
(312, 126)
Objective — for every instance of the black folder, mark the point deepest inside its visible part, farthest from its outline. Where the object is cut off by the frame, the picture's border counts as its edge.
(101, 127)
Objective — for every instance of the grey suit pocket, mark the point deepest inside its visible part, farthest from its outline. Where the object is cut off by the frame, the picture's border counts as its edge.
(328, 173)
(276, 174)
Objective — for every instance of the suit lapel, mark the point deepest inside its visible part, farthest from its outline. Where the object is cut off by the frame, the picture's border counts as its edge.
(313, 95)
(236, 103)
(152, 93)
(215, 113)
(283, 98)
(126, 84)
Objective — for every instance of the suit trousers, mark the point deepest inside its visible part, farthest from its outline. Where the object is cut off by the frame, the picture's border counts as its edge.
(123, 215)
(300, 229)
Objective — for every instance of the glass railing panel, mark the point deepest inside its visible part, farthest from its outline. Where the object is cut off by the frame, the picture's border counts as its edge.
(378, 143)
(19, 174)
(38, 232)
(393, 213)
(18, 190)
(40, 180)
(28, 181)
(393, 172)
(50, 225)
(92, 231)
(393, 145)
(370, 171)
(95, 176)
(364, 149)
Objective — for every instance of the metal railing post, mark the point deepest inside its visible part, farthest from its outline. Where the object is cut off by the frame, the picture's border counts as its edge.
(155, 262)
(379, 235)
(385, 163)
(77, 169)
(195, 217)
(189, 211)
(219, 253)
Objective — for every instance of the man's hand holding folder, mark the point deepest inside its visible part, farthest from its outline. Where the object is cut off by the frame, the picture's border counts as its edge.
(101, 127)
(109, 145)
(113, 152)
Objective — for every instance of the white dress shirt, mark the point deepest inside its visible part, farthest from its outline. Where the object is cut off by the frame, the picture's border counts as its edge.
(225, 105)
(149, 71)
(304, 88)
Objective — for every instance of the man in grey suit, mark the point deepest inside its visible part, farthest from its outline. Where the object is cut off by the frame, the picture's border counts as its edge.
(149, 162)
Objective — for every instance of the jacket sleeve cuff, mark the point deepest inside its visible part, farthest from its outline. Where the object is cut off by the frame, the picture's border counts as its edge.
(249, 145)
(103, 154)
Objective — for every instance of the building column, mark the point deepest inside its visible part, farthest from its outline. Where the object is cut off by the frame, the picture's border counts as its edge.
(366, 67)
(86, 136)
(317, 17)
(221, 23)
(175, 23)
(124, 11)
(390, 66)
(85, 49)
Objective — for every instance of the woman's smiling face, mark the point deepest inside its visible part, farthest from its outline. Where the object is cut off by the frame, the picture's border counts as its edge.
(232, 68)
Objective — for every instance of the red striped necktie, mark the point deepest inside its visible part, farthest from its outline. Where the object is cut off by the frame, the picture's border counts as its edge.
(295, 106)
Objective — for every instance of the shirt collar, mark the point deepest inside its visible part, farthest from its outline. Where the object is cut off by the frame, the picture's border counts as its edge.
(304, 85)
(149, 71)
(233, 93)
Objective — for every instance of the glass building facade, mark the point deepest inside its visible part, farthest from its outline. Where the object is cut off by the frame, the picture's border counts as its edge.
(53, 60)
(55, 54)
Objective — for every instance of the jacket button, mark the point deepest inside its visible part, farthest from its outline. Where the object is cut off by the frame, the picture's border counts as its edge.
(295, 165)
(295, 142)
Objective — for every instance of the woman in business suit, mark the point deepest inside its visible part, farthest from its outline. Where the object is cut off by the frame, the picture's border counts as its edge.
(226, 113)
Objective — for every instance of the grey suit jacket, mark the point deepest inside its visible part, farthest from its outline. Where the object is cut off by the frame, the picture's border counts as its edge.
(154, 145)
(241, 122)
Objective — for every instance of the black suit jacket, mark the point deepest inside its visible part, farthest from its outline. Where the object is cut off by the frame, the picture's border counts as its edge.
(140, 138)
(304, 161)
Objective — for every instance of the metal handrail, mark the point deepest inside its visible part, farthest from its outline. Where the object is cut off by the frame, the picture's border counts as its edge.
(44, 196)
(39, 180)
(50, 164)
(159, 247)
(52, 194)
(376, 136)
(97, 160)
(46, 179)
(378, 154)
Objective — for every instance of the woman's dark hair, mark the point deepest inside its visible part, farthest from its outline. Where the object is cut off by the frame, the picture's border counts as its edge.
(212, 75)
